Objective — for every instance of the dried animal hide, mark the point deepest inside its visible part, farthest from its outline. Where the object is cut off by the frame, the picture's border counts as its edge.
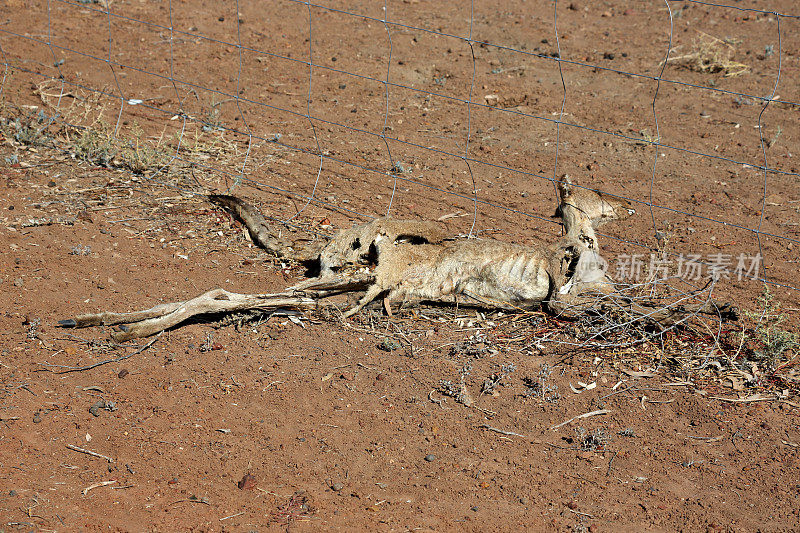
(411, 261)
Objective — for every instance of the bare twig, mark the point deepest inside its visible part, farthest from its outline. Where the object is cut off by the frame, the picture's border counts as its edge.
(95, 485)
(584, 415)
(231, 516)
(89, 452)
(434, 400)
(580, 513)
(502, 431)
(100, 363)
(749, 399)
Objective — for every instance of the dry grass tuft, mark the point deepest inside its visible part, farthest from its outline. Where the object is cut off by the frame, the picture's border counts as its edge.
(712, 55)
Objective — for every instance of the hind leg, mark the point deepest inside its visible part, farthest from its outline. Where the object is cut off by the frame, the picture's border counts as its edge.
(373, 292)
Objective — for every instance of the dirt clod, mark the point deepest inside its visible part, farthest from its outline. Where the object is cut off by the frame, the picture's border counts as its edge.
(248, 482)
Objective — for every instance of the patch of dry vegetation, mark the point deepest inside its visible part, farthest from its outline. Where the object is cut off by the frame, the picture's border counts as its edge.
(712, 55)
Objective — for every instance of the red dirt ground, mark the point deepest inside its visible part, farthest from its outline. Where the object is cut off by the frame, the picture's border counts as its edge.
(339, 423)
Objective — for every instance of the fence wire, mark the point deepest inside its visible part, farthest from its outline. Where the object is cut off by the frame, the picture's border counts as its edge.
(13, 41)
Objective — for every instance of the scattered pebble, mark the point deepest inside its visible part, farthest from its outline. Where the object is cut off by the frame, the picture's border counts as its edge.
(430, 457)
(248, 482)
(336, 487)
(389, 345)
(122, 373)
(95, 409)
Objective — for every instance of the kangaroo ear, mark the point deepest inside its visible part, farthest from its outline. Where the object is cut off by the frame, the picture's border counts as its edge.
(565, 187)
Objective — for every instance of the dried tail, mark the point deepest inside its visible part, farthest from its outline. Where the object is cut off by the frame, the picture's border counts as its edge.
(260, 229)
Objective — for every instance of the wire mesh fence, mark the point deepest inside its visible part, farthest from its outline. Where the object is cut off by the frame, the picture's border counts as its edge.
(468, 112)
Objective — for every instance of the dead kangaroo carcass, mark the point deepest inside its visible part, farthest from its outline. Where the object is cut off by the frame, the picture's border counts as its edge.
(406, 262)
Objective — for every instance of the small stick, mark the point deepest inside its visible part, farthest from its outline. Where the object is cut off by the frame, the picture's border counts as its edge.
(502, 431)
(434, 400)
(580, 513)
(231, 516)
(89, 452)
(753, 398)
(99, 363)
(584, 415)
(95, 485)
(608, 472)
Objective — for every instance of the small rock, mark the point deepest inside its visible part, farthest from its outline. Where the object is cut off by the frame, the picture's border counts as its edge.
(18, 282)
(389, 345)
(474, 508)
(572, 505)
(95, 409)
(122, 373)
(492, 100)
(221, 19)
(248, 482)
(608, 55)
(37, 418)
(336, 487)
(430, 457)
(347, 376)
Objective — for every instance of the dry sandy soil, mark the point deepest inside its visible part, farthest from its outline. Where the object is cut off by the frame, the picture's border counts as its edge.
(317, 423)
